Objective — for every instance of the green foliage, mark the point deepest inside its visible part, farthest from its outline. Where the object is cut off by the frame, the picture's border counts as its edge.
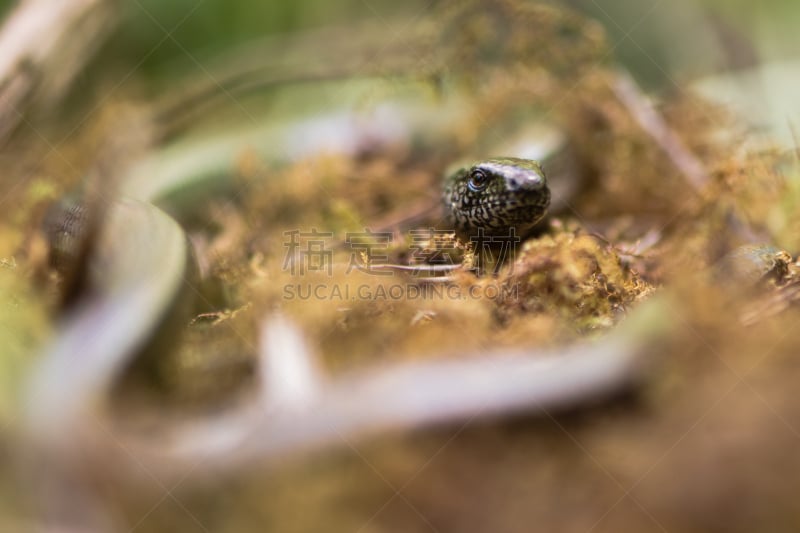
(156, 36)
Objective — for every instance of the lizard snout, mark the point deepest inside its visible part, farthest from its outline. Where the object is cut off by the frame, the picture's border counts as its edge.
(529, 181)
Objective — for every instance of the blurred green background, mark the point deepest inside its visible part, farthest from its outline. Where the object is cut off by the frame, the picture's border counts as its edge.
(661, 41)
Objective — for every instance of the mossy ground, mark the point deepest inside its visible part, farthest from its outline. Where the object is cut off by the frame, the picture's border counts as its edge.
(709, 444)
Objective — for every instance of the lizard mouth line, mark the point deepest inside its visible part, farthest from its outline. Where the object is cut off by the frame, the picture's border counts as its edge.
(517, 204)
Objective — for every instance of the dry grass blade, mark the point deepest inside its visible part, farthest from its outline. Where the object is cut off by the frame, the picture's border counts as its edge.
(43, 45)
(656, 127)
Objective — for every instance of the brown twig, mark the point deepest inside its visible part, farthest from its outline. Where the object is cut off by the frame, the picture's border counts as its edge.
(656, 127)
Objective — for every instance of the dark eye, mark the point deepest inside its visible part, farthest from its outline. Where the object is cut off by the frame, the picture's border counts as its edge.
(478, 180)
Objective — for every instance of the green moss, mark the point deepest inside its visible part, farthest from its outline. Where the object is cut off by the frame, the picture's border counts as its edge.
(24, 325)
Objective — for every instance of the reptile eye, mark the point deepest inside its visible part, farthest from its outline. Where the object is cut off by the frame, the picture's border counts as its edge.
(478, 180)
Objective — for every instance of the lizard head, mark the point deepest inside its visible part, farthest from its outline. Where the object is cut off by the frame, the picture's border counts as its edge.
(496, 195)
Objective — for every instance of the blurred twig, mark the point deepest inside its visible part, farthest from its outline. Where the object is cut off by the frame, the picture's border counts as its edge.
(44, 44)
(657, 128)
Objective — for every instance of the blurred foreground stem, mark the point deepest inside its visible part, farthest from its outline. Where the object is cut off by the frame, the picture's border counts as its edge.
(44, 44)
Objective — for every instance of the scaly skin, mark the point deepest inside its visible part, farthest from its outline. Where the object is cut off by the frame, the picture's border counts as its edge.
(496, 195)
